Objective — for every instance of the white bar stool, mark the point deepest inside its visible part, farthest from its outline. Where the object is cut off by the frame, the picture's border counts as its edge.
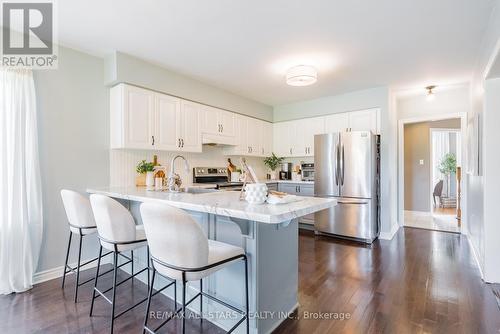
(81, 222)
(181, 251)
(118, 233)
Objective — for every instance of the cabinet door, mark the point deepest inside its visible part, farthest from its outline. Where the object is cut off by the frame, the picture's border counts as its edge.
(267, 139)
(306, 189)
(312, 126)
(167, 112)
(253, 136)
(189, 127)
(364, 120)
(289, 188)
(138, 117)
(227, 121)
(242, 125)
(209, 120)
(336, 122)
(281, 139)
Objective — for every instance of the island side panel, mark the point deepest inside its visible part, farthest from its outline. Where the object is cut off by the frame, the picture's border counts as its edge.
(277, 273)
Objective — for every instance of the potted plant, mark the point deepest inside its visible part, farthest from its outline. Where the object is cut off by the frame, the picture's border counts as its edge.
(272, 163)
(145, 173)
(448, 166)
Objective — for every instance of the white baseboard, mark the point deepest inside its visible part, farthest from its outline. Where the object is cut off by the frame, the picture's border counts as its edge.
(47, 275)
(476, 258)
(389, 235)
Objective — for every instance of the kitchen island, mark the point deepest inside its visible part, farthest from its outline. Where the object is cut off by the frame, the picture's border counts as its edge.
(269, 235)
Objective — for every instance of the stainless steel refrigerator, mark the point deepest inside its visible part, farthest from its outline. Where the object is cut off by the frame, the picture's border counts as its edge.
(346, 168)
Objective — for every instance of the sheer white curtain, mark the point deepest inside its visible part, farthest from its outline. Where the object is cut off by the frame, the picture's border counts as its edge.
(20, 186)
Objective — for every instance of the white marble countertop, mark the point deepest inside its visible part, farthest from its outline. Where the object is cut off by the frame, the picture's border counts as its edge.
(223, 203)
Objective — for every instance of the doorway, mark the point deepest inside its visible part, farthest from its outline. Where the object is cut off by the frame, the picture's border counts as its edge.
(432, 151)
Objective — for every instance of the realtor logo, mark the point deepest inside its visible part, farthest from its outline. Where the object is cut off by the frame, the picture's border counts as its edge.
(28, 33)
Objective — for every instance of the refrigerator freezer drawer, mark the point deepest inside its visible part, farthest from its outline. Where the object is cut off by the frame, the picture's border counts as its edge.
(349, 218)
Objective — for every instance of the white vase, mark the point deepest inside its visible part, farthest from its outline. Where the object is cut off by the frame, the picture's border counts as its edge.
(150, 180)
(273, 174)
(256, 193)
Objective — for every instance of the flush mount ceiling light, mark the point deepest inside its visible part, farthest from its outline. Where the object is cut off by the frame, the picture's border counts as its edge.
(430, 93)
(302, 75)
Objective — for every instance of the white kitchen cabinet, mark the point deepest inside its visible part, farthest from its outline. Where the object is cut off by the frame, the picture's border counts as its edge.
(167, 113)
(312, 126)
(267, 139)
(364, 120)
(281, 139)
(296, 138)
(188, 128)
(337, 122)
(218, 126)
(143, 119)
(361, 120)
(132, 117)
(254, 138)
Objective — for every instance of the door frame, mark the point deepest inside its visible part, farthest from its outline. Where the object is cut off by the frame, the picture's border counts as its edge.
(401, 180)
(431, 164)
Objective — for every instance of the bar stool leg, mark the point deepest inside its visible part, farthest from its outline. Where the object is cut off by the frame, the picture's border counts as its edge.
(78, 267)
(114, 290)
(147, 250)
(95, 282)
(149, 300)
(183, 303)
(132, 262)
(67, 257)
(246, 296)
(201, 299)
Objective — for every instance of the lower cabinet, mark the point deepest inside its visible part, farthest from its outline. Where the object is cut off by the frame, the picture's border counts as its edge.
(299, 189)
(272, 186)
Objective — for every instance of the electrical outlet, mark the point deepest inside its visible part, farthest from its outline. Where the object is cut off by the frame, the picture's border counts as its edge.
(421, 161)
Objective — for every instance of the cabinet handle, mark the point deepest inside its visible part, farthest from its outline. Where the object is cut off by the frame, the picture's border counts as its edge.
(153, 140)
(290, 151)
(221, 128)
(299, 189)
(178, 142)
(182, 141)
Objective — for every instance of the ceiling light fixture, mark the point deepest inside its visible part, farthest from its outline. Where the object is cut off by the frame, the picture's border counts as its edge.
(302, 75)
(430, 93)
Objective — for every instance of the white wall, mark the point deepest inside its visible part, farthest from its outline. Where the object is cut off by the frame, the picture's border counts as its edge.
(120, 67)
(491, 176)
(381, 98)
(476, 183)
(73, 125)
(123, 162)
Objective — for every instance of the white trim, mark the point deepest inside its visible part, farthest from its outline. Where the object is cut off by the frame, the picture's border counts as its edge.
(430, 118)
(389, 235)
(57, 272)
(276, 325)
(491, 61)
(471, 246)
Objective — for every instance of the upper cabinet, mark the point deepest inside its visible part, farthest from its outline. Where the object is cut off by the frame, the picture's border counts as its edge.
(143, 119)
(296, 138)
(361, 120)
(218, 126)
(254, 138)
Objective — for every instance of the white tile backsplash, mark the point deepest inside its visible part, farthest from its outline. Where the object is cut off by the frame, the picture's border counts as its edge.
(123, 163)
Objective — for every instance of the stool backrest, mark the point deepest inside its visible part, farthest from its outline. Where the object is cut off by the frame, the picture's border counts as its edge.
(114, 221)
(78, 209)
(174, 237)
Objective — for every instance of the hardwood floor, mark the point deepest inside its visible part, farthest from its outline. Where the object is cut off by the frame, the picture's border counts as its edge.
(420, 282)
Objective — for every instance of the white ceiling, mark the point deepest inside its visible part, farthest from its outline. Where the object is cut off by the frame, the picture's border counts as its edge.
(246, 46)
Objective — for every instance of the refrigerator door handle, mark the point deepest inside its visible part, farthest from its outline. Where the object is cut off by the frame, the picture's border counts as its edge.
(337, 165)
(343, 165)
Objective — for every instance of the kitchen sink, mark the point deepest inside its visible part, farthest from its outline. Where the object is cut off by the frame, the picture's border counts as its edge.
(194, 190)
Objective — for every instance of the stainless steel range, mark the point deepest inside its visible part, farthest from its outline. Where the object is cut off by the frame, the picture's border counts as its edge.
(218, 176)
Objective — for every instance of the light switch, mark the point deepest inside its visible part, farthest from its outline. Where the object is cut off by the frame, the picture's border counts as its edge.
(421, 161)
